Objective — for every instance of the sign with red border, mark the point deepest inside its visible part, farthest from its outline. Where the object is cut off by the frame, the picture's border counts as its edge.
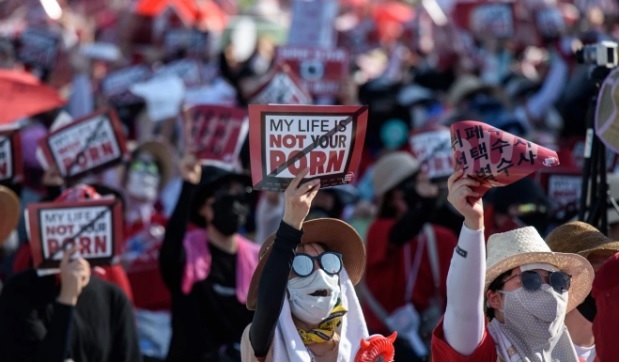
(321, 70)
(85, 145)
(280, 86)
(563, 188)
(433, 148)
(285, 139)
(216, 133)
(95, 225)
(11, 165)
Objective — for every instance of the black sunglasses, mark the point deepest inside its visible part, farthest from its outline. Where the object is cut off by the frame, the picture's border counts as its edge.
(532, 280)
(330, 262)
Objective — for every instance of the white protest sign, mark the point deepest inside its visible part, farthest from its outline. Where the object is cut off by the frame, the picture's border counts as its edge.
(433, 149)
(313, 23)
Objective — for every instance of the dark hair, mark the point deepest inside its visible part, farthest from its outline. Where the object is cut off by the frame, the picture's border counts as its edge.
(497, 285)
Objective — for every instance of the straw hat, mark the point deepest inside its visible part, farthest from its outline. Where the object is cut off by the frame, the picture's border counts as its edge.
(465, 86)
(581, 238)
(9, 212)
(523, 246)
(392, 169)
(336, 234)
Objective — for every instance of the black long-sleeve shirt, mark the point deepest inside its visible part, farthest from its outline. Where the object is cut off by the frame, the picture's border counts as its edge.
(35, 327)
(272, 290)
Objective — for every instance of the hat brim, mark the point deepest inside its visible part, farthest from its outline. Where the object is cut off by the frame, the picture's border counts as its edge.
(575, 265)
(206, 190)
(335, 234)
(9, 210)
(610, 248)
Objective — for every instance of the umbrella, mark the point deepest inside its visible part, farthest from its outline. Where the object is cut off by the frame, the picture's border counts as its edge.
(22, 95)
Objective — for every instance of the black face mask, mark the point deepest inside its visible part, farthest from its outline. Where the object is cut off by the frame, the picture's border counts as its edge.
(230, 214)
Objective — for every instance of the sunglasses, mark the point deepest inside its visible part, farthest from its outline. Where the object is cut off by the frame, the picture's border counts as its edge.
(330, 262)
(532, 280)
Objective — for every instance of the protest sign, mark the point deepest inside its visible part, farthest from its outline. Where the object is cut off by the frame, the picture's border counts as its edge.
(607, 112)
(38, 47)
(432, 146)
(11, 165)
(116, 85)
(488, 17)
(85, 145)
(321, 70)
(495, 157)
(193, 41)
(313, 23)
(360, 38)
(94, 225)
(216, 133)
(285, 139)
(188, 70)
(280, 85)
(563, 187)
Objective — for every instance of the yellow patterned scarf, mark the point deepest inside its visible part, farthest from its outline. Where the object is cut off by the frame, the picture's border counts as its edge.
(324, 331)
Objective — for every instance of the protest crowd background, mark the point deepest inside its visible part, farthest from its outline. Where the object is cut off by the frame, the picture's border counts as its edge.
(157, 82)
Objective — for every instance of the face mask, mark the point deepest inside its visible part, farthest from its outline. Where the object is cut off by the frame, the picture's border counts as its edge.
(534, 316)
(142, 186)
(313, 309)
(230, 214)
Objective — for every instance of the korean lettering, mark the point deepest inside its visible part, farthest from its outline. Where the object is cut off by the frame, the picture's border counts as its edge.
(456, 139)
(461, 160)
(504, 168)
(499, 145)
(485, 173)
(480, 151)
(523, 158)
(474, 132)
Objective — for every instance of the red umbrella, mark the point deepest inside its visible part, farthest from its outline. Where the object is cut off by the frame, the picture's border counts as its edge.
(22, 95)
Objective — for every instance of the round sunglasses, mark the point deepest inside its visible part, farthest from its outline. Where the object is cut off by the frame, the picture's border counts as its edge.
(532, 280)
(330, 262)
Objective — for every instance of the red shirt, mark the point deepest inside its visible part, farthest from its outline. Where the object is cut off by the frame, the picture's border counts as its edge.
(443, 352)
(142, 250)
(385, 271)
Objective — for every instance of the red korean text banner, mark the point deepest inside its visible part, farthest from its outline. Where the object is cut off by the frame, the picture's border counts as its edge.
(495, 157)
(216, 133)
(432, 146)
(320, 70)
(39, 47)
(11, 164)
(285, 139)
(94, 225)
(115, 86)
(86, 145)
(279, 86)
(486, 17)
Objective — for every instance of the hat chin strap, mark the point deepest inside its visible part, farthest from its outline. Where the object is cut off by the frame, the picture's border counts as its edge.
(539, 266)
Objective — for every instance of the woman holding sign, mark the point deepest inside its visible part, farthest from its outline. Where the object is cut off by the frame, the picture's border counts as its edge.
(306, 308)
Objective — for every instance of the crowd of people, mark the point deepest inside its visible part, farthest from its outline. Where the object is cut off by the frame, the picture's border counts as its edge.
(211, 269)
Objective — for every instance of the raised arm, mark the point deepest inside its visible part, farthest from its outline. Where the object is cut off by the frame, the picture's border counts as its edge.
(463, 323)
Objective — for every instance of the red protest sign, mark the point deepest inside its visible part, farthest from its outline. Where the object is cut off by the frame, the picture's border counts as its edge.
(495, 157)
(95, 225)
(216, 133)
(321, 70)
(38, 47)
(188, 70)
(280, 86)
(285, 139)
(432, 146)
(313, 23)
(11, 165)
(85, 145)
(115, 86)
(563, 187)
(486, 18)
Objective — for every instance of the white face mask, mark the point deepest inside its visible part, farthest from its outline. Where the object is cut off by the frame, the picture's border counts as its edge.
(313, 309)
(142, 186)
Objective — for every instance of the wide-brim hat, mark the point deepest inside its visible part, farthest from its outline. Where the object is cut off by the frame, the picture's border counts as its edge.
(214, 178)
(581, 238)
(506, 251)
(335, 234)
(392, 169)
(465, 86)
(9, 212)
(162, 154)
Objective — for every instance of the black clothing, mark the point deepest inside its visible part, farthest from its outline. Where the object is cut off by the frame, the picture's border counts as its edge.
(272, 289)
(207, 323)
(35, 327)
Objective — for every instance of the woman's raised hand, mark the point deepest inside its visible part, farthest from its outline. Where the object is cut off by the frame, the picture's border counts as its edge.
(465, 200)
(299, 199)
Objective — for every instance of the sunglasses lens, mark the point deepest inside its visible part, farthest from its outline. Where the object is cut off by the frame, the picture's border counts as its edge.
(302, 265)
(331, 263)
(560, 281)
(531, 280)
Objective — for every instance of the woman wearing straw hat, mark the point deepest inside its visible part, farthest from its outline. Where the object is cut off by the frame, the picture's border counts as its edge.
(302, 291)
(528, 290)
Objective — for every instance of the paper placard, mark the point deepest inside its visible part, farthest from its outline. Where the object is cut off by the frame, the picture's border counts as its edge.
(11, 164)
(361, 38)
(188, 70)
(495, 157)
(195, 42)
(279, 86)
(321, 71)
(216, 133)
(38, 47)
(116, 85)
(433, 149)
(488, 17)
(313, 23)
(95, 225)
(85, 145)
(285, 139)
